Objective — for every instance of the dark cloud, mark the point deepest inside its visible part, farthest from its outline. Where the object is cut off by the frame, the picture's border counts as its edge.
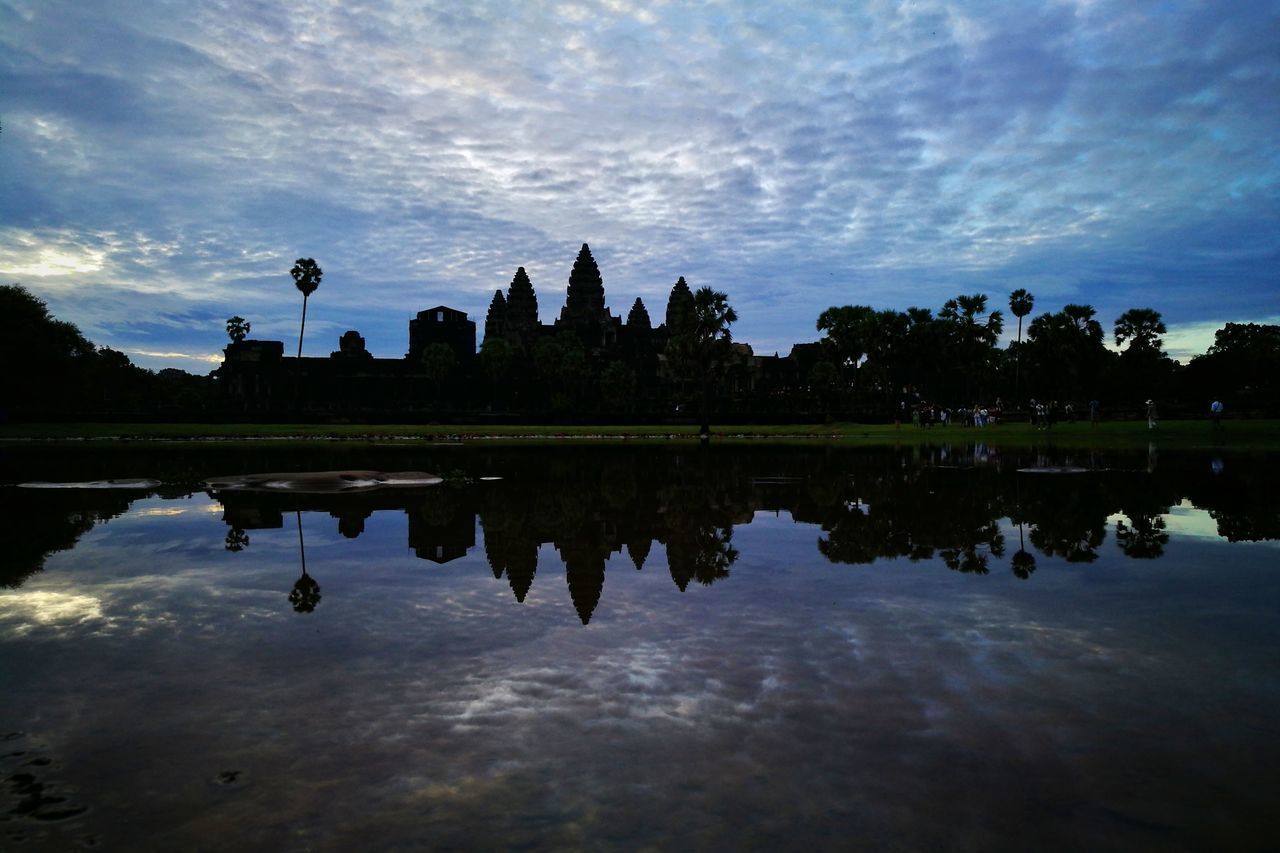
(825, 154)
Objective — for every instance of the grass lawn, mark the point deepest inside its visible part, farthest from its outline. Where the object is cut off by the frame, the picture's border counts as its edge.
(1243, 434)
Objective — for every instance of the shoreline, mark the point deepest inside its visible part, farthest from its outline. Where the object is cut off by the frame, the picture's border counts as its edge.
(1242, 434)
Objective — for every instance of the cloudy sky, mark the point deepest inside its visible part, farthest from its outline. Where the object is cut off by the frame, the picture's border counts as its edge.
(163, 163)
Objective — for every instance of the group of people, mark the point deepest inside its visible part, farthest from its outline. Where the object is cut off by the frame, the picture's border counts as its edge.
(924, 414)
(1043, 413)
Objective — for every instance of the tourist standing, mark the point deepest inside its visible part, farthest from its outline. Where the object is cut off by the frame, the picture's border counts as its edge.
(1215, 412)
(1152, 415)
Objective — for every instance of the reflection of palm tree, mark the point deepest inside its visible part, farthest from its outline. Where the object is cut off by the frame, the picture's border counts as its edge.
(1143, 538)
(237, 540)
(305, 594)
(1023, 563)
(713, 555)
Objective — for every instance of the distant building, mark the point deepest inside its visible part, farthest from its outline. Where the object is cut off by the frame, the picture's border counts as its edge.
(256, 376)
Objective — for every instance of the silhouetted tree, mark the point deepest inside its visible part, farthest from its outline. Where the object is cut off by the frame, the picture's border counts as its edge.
(848, 331)
(561, 364)
(1242, 367)
(972, 338)
(306, 277)
(1144, 369)
(1021, 302)
(711, 337)
(438, 363)
(237, 329)
(495, 359)
(1066, 352)
(618, 386)
(1141, 328)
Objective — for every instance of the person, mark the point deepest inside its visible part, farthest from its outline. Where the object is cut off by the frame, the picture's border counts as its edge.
(1152, 415)
(1215, 412)
(1094, 406)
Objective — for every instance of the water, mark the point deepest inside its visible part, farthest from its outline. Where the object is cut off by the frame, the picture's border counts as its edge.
(614, 647)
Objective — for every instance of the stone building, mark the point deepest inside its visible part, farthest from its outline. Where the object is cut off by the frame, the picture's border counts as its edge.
(256, 376)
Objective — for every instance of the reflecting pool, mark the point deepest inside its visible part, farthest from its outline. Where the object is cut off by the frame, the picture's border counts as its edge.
(656, 646)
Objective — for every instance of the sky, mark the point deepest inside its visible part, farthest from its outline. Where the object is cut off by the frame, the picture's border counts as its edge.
(162, 164)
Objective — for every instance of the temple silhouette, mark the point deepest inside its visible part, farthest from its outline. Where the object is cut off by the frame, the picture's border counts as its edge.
(570, 370)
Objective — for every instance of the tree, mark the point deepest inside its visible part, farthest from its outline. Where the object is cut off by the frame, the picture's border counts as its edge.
(1241, 368)
(495, 359)
(1020, 304)
(618, 386)
(561, 363)
(237, 329)
(1143, 370)
(306, 277)
(848, 328)
(712, 317)
(1141, 328)
(972, 338)
(438, 361)
(1066, 352)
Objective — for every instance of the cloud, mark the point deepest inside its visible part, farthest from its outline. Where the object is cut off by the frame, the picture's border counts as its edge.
(794, 156)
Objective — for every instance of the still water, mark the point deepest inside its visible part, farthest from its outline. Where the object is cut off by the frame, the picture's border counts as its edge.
(613, 647)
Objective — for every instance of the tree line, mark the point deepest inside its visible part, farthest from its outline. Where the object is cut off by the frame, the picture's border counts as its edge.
(867, 362)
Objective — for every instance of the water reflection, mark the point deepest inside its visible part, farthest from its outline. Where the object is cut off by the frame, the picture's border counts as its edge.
(947, 505)
(849, 672)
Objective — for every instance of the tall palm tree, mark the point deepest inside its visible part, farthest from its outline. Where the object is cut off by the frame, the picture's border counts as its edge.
(1020, 304)
(306, 277)
(972, 337)
(1142, 327)
(713, 315)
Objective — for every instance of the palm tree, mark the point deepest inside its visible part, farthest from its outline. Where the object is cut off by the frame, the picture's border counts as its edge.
(1142, 327)
(237, 328)
(712, 317)
(306, 277)
(1020, 304)
(972, 340)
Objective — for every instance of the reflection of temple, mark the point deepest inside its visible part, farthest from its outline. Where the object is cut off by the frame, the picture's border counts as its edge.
(594, 504)
(918, 504)
(440, 530)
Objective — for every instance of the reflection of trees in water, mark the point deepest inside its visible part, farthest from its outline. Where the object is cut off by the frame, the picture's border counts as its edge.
(305, 595)
(236, 540)
(1067, 514)
(593, 502)
(36, 524)
(1143, 538)
(895, 511)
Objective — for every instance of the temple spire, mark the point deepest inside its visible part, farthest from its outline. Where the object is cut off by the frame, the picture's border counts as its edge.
(679, 307)
(638, 317)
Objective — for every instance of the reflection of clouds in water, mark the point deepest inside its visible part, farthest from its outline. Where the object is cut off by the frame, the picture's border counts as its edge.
(24, 610)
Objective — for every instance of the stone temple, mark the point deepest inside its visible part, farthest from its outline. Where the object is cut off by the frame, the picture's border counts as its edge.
(257, 377)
